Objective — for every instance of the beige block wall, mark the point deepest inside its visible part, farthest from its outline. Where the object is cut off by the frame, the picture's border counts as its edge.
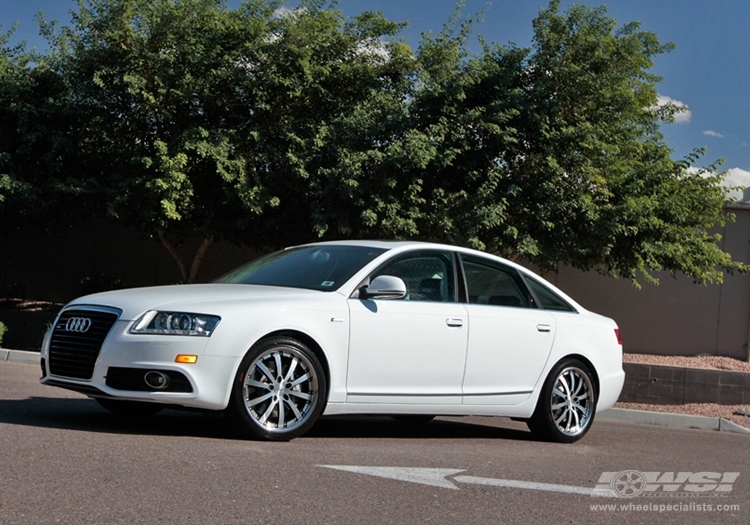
(677, 317)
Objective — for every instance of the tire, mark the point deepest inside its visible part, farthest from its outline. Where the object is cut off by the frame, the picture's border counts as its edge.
(567, 403)
(279, 390)
(413, 419)
(129, 408)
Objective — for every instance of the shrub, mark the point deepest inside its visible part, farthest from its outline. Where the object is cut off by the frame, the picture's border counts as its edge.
(3, 329)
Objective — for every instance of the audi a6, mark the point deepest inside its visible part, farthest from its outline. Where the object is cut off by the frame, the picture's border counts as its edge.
(412, 330)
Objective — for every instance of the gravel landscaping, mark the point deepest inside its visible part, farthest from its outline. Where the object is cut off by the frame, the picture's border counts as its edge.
(729, 412)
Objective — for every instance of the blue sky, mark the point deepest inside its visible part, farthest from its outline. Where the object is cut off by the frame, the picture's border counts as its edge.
(709, 70)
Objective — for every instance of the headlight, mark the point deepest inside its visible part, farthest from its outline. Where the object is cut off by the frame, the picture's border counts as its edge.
(175, 323)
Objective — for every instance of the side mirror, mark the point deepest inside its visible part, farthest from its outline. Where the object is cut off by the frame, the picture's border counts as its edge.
(385, 287)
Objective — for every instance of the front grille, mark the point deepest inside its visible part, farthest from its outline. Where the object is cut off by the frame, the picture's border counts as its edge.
(73, 350)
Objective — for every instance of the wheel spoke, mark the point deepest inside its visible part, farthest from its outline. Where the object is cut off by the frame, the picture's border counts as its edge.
(266, 372)
(300, 380)
(292, 368)
(578, 387)
(295, 410)
(301, 395)
(279, 367)
(257, 384)
(281, 420)
(562, 416)
(559, 393)
(580, 408)
(255, 401)
(583, 396)
(264, 418)
(558, 406)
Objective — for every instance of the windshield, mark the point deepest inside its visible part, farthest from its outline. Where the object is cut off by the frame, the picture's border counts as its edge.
(323, 268)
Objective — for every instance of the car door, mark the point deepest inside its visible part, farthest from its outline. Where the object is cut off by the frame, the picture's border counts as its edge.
(509, 339)
(410, 350)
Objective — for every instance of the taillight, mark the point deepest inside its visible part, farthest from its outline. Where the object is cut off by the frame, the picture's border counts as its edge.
(617, 335)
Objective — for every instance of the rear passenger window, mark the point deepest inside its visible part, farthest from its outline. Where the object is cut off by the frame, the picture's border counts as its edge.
(491, 283)
(549, 299)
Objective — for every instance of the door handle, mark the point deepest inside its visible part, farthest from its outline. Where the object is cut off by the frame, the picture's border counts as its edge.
(544, 328)
(454, 322)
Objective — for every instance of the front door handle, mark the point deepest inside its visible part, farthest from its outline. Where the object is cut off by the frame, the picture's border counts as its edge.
(544, 328)
(454, 322)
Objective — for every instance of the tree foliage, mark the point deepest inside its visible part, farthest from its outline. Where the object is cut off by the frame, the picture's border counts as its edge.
(554, 154)
(265, 125)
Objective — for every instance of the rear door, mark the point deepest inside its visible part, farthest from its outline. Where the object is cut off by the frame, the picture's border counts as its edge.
(509, 338)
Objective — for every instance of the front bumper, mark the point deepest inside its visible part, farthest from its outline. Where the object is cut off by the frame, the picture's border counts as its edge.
(124, 360)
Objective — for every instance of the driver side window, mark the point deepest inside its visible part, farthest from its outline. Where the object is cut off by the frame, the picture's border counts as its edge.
(428, 275)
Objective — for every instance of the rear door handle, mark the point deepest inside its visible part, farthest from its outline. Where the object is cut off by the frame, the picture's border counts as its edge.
(544, 328)
(454, 321)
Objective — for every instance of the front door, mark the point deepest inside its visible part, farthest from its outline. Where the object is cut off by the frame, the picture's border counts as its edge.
(410, 350)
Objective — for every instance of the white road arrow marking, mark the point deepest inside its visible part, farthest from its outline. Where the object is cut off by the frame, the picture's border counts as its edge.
(530, 485)
(426, 476)
(436, 477)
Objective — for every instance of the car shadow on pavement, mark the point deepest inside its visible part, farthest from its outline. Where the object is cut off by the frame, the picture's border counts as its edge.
(439, 428)
(85, 414)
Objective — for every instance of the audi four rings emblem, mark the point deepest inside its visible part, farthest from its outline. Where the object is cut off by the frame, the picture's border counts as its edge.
(78, 324)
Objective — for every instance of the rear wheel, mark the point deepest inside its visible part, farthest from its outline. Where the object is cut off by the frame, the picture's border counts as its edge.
(279, 390)
(567, 403)
(129, 408)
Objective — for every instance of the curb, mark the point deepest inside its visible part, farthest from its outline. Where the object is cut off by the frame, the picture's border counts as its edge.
(623, 415)
(668, 419)
(19, 356)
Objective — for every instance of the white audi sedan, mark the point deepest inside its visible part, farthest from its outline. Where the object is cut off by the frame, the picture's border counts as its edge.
(413, 330)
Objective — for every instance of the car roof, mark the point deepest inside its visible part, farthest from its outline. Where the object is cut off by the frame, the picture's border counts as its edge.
(384, 244)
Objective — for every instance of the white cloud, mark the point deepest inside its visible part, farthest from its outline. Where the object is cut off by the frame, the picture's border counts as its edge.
(283, 12)
(679, 118)
(737, 177)
(711, 133)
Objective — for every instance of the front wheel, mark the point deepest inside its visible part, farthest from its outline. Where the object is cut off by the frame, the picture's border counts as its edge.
(279, 390)
(567, 404)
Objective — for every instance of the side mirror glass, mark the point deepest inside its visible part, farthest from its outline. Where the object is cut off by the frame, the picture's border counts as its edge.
(385, 287)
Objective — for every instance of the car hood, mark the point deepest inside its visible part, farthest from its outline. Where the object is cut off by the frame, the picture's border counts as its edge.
(195, 298)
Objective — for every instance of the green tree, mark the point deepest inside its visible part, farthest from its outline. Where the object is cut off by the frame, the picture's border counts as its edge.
(159, 134)
(554, 154)
(265, 126)
(32, 108)
(194, 119)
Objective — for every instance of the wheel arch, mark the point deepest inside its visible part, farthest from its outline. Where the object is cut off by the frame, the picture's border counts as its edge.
(583, 359)
(310, 343)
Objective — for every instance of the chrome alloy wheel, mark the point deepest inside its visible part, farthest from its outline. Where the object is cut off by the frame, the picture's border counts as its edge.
(280, 389)
(572, 401)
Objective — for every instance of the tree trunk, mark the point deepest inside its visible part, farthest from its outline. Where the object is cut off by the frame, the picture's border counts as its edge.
(188, 277)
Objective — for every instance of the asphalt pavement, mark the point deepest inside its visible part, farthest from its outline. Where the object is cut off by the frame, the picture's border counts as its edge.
(64, 459)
